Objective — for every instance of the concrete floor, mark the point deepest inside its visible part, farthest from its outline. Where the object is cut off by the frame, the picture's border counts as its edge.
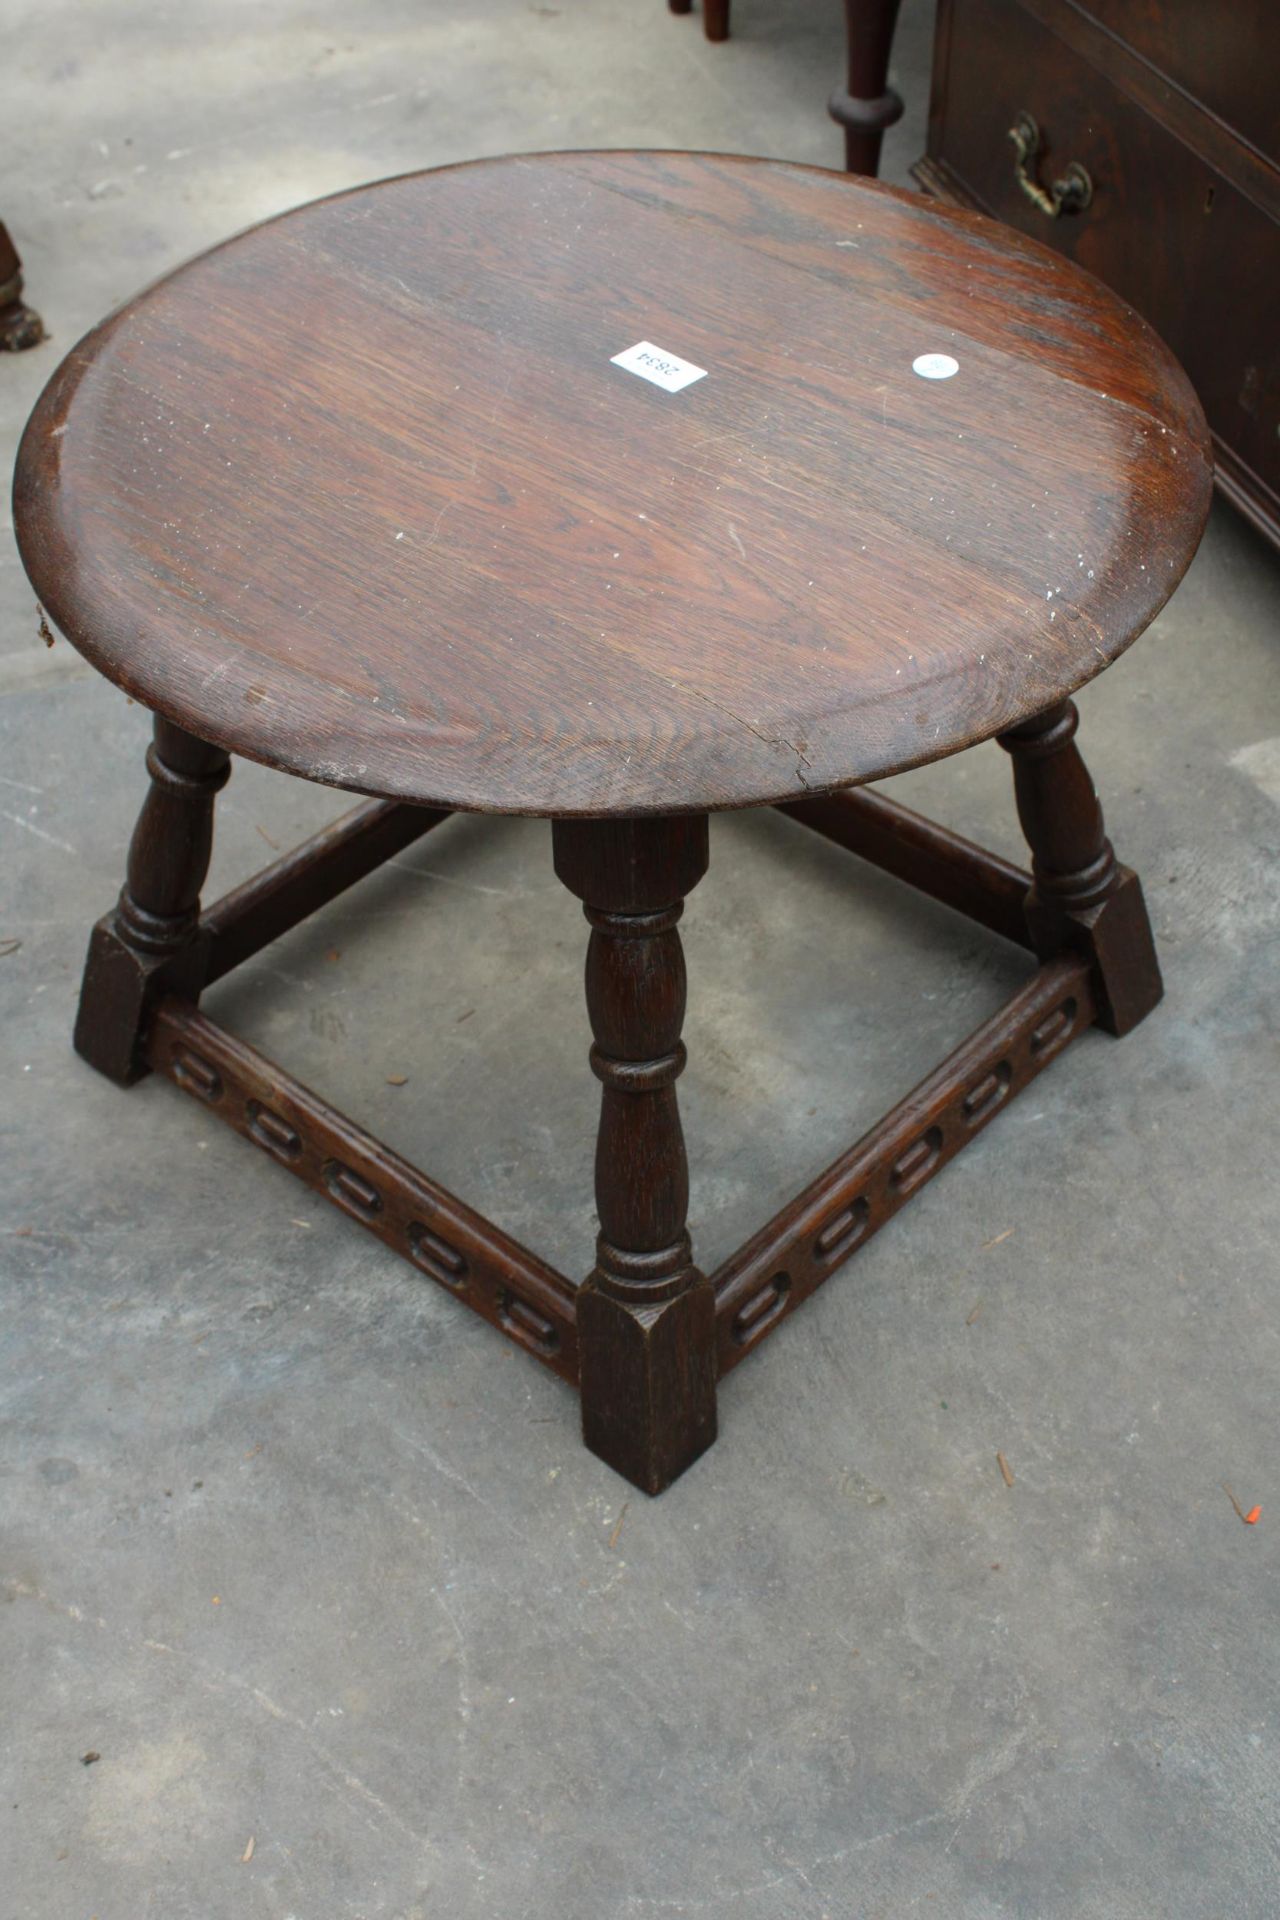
(314, 1560)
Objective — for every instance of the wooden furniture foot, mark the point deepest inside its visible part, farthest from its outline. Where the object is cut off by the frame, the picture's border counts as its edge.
(20, 325)
(715, 16)
(867, 104)
(1082, 900)
(646, 1315)
(152, 942)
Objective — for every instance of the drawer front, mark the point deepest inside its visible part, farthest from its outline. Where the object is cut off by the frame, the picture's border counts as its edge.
(1169, 232)
(1224, 53)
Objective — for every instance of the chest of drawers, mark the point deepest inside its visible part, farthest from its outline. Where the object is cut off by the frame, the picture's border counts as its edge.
(1142, 137)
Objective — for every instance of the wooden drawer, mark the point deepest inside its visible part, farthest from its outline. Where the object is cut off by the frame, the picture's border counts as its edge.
(1183, 222)
(1224, 53)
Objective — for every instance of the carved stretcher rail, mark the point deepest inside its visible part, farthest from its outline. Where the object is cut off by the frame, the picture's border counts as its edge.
(251, 916)
(804, 1244)
(437, 1233)
(914, 848)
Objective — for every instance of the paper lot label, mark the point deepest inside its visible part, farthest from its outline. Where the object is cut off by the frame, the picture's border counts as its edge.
(666, 370)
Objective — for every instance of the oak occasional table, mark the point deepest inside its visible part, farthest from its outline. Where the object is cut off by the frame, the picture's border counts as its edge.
(366, 495)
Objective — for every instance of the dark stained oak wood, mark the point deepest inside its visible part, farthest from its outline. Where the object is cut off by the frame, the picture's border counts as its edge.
(645, 1313)
(153, 943)
(645, 1336)
(814, 1234)
(360, 494)
(1082, 897)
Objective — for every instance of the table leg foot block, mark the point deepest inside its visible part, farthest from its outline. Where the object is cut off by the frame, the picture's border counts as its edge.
(1116, 936)
(647, 1374)
(121, 989)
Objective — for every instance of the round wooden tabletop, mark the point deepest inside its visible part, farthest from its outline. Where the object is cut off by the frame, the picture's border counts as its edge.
(367, 493)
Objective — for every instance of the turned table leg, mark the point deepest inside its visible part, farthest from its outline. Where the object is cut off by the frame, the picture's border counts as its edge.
(1082, 898)
(645, 1314)
(867, 104)
(151, 944)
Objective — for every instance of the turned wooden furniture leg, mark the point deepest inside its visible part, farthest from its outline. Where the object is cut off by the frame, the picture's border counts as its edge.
(646, 1315)
(867, 104)
(715, 16)
(20, 326)
(1082, 898)
(152, 943)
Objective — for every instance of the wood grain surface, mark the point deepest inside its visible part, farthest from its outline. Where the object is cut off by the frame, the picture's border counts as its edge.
(360, 494)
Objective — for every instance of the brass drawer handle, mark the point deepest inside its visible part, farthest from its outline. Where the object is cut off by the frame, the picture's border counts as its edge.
(1071, 194)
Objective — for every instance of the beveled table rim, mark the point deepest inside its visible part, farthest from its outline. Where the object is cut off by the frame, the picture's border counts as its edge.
(53, 552)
